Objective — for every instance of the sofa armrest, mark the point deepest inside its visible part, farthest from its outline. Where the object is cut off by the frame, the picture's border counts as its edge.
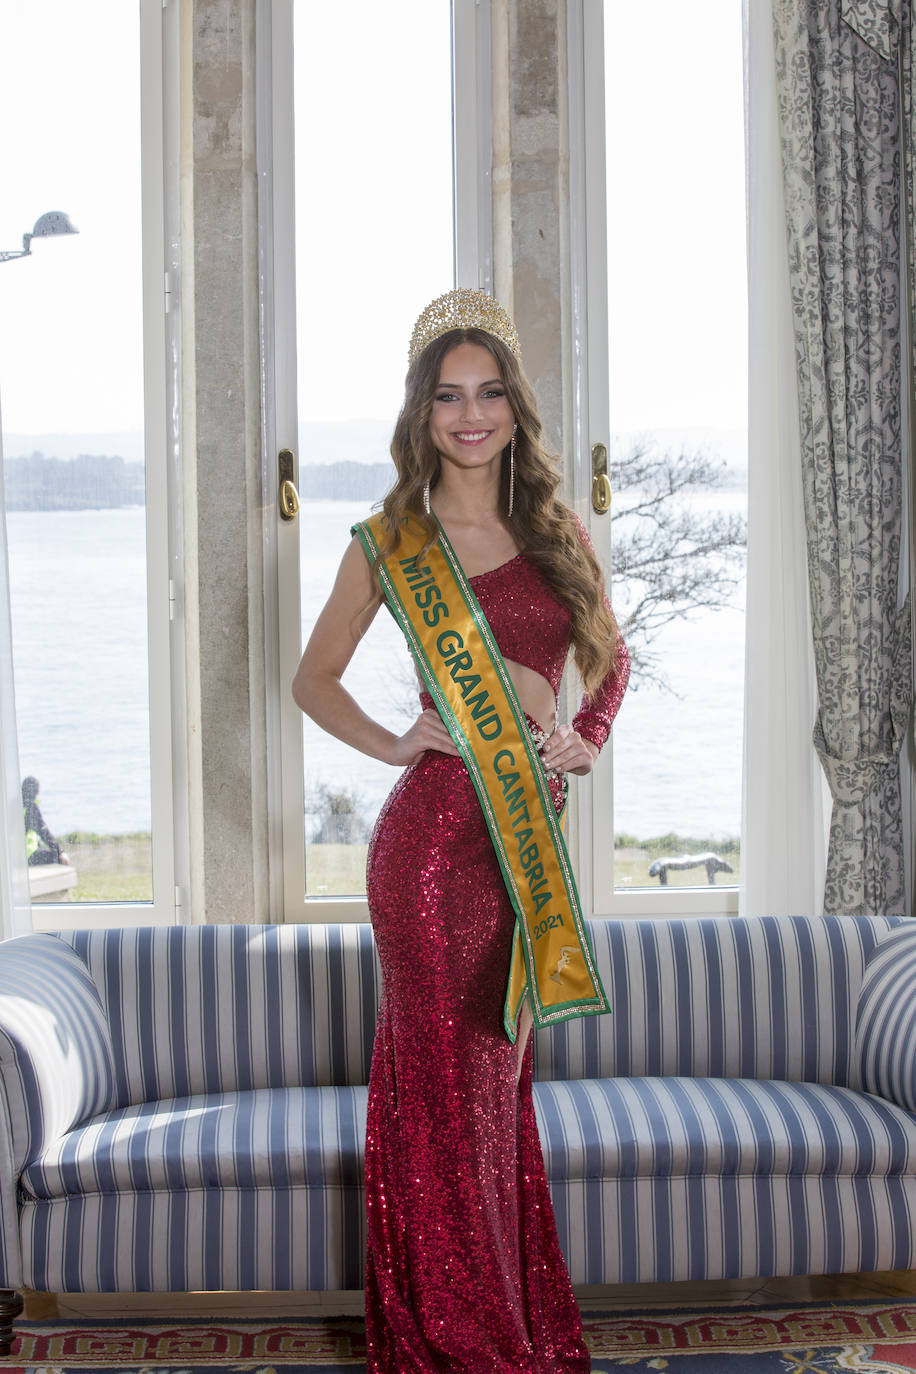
(885, 1049)
(10, 1248)
(56, 1060)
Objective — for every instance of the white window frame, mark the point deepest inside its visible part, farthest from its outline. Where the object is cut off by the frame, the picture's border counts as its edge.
(473, 263)
(592, 820)
(472, 126)
(159, 68)
(277, 270)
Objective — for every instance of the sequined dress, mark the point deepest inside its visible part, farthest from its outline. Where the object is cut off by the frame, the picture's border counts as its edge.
(464, 1269)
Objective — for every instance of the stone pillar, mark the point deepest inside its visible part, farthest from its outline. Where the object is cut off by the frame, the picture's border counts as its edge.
(221, 463)
(531, 267)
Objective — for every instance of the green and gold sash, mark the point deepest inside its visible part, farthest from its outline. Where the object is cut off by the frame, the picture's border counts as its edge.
(465, 674)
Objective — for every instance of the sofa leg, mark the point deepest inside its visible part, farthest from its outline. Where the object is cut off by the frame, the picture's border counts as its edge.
(10, 1307)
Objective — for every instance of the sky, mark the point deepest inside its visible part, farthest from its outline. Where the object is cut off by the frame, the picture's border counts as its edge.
(373, 145)
(70, 354)
(677, 277)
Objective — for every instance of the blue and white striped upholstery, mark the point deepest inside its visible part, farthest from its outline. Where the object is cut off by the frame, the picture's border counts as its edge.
(56, 1065)
(761, 997)
(255, 1189)
(221, 1008)
(185, 1108)
(56, 1062)
(275, 1020)
(657, 1179)
(886, 1037)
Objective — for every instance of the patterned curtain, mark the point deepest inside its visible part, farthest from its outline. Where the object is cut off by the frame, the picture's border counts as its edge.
(839, 102)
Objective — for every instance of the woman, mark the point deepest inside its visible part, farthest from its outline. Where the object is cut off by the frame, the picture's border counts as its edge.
(464, 1267)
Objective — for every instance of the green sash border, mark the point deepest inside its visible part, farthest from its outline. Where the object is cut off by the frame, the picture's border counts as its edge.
(556, 1012)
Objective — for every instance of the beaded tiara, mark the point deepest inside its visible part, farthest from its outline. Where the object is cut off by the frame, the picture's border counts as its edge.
(463, 308)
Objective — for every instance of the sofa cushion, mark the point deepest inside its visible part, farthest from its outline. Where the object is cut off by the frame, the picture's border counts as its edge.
(226, 1008)
(886, 1023)
(278, 1137)
(665, 1127)
(56, 1058)
(726, 997)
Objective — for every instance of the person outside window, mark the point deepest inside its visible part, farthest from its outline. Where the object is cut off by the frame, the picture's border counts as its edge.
(40, 845)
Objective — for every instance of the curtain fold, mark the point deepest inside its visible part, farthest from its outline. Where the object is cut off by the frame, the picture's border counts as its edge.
(15, 911)
(875, 21)
(907, 35)
(838, 104)
(908, 81)
(783, 845)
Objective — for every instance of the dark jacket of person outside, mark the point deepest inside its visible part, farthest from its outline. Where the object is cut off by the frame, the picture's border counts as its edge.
(40, 845)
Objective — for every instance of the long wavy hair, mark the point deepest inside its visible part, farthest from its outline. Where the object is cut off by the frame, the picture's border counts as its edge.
(545, 529)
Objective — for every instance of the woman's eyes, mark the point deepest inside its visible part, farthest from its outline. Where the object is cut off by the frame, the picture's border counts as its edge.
(490, 395)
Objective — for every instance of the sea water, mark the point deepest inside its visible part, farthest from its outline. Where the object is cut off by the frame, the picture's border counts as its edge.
(78, 588)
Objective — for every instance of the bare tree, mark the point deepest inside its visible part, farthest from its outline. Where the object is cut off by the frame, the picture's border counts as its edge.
(672, 556)
(338, 815)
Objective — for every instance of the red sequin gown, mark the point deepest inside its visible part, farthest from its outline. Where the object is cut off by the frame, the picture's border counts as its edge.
(464, 1271)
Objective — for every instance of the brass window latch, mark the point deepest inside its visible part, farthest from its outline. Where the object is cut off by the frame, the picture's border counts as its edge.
(287, 495)
(601, 483)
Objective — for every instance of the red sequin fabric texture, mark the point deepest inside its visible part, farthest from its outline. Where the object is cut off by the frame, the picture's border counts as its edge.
(464, 1271)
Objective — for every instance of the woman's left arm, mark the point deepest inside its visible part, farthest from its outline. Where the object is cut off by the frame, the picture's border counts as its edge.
(574, 747)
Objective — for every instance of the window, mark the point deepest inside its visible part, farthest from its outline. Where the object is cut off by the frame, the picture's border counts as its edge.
(670, 151)
(672, 246)
(82, 381)
(363, 273)
(374, 242)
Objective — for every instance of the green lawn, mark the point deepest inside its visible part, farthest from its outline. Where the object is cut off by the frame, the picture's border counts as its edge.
(335, 870)
(633, 858)
(118, 868)
(340, 869)
(111, 868)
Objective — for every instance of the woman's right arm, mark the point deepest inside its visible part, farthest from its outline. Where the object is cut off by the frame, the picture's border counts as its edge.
(317, 687)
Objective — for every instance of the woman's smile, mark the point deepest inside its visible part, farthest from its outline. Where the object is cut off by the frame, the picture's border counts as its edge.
(475, 437)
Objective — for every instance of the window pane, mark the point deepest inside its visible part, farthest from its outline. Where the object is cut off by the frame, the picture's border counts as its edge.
(373, 246)
(677, 310)
(71, 384)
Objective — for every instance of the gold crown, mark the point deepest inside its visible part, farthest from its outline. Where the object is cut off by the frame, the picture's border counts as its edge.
(463, 308)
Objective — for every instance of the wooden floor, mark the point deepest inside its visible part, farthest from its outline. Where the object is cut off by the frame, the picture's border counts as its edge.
(631, 1297)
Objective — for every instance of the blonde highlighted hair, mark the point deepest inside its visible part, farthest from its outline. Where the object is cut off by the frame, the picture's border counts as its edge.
(545, 529)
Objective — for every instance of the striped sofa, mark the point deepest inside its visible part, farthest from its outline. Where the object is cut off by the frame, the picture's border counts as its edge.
(184, 1108)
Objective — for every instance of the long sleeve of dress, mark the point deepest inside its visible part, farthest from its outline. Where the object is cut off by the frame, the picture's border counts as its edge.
(595, 716)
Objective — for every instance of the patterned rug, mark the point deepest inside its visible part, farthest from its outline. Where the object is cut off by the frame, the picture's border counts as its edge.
(819, 1338)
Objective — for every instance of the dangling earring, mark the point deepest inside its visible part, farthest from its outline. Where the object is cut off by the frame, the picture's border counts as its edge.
(426, 496)
(512, 469)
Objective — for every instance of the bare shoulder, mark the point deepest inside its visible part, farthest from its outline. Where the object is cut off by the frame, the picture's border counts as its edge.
(355, 591)
(344, 619)
(355, 563)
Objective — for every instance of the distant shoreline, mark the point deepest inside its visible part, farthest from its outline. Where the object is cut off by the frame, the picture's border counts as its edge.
(93, 482)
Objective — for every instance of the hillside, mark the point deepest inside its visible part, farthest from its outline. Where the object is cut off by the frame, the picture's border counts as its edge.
(92, 482)
(89, 482)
